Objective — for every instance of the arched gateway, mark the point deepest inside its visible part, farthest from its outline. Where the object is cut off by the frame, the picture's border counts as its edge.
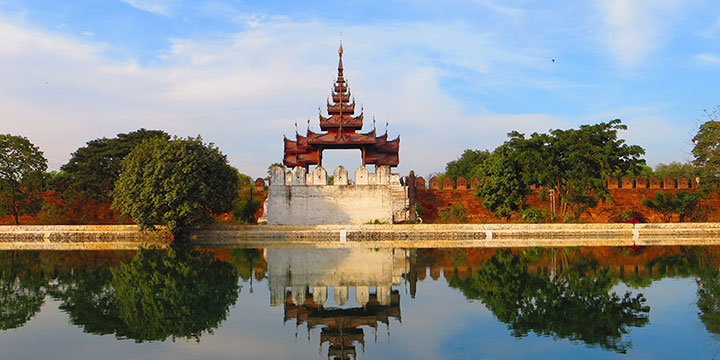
(302, 197)
(340, 132)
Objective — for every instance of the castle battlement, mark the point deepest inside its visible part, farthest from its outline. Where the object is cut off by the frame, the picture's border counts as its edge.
(298, 176)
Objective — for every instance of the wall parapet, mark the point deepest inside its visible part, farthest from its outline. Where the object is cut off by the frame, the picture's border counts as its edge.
(625, 182)
(299, 176)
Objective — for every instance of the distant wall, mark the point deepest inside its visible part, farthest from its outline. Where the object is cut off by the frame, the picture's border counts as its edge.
(298, 198)
(626, 193)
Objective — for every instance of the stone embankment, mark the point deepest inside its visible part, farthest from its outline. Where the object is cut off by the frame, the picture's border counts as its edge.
(96, 237)
(80, 237)
(460, 235)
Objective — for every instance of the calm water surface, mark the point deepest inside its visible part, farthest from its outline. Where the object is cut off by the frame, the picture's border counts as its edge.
(297, 303)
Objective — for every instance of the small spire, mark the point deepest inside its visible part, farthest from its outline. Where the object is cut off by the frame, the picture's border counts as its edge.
(340, 50)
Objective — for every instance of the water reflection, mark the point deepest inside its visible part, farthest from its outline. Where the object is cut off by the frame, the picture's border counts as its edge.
(345, 296)
(575, 303)
(22, 291)
(155, 296)
(302, 280)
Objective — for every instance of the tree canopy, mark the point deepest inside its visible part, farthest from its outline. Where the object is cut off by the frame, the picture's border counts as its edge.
(22, 166)
(575, 163)
(707, 150)
(468, 165)
(94, 168)
(179, 183)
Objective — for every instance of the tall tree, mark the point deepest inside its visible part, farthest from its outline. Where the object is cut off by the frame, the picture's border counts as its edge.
(180, 183)
(506, 188)
(468, 165)
(707, 150)
(94, 168)
(22, 166)
(575, 163)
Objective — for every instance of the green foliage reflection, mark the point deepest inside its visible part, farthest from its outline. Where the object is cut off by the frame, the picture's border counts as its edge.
(575, 304)
(22, 292)
(155, 296)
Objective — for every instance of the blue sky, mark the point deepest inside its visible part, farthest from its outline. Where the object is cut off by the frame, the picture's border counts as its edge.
(447, 75)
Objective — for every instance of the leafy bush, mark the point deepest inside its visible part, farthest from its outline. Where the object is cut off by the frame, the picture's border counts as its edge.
(456, 214)
(628, 217)
(534, 215)
(684, 204)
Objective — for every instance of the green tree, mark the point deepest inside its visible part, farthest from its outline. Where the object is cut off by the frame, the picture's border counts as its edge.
(707, 151)
(506, 186)
(179, 183)
(468, 165)
(575, 163)
(94, 168)
(22, 166)
(675, 169)
(684, 204)
(246, 204)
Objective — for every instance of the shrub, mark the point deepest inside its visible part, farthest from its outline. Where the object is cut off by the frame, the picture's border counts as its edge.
(684, 204)
(456, 214)
(628, 217)
(534, 215)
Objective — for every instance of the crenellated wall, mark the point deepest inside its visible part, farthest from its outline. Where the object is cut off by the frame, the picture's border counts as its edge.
(626, 193)
(300, 198)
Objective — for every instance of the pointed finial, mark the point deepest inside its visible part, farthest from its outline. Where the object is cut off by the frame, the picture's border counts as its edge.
(296, 128)
(373, 122)
(340, 49)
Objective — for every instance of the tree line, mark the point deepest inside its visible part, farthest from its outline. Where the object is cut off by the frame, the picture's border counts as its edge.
(145, 176)
(575, 164)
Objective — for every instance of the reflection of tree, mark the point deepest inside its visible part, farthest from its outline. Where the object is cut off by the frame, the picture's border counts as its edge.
(575, 304)
(154, 296)
(709, 300)
(244, 261)
(22, 291)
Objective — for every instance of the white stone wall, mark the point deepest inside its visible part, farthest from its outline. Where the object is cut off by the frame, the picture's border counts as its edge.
(297, 198)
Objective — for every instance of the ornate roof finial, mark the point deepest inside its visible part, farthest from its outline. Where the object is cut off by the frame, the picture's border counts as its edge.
(340, 50)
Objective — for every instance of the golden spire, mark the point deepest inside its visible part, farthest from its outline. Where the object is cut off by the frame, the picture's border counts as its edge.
(340, 50)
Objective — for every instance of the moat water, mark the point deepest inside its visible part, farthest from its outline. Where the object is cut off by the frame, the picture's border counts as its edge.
(299, 303)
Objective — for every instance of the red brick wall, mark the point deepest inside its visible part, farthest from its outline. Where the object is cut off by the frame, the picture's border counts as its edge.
(623, 199)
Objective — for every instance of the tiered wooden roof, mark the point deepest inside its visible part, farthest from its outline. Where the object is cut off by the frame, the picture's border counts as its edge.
(340, 132)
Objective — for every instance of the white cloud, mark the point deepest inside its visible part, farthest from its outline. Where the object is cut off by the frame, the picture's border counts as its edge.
(161, 7)
(708, 58)
(87, 33)
(635, 28)
(244, 91)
